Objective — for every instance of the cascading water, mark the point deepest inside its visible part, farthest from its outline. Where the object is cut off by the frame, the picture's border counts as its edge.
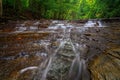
(93, 23)
(77, 65)
(65, 50)
(44, 75)
(49, 60)
(78, 69)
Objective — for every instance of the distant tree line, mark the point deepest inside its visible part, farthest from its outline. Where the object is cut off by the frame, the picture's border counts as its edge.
(61, 9)
(0, 7)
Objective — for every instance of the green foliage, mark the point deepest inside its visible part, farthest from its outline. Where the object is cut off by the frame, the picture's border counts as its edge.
(67, 9)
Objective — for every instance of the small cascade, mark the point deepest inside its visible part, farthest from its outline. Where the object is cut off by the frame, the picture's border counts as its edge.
(75, 69)
(47, 64)
(58, 51)
(100, 24)
(44, 75)
(50, 60)
(94, 23)
(78, 68)
(28, 68)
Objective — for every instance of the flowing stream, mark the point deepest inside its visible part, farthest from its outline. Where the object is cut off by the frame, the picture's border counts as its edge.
(78, 69)
(63, 51)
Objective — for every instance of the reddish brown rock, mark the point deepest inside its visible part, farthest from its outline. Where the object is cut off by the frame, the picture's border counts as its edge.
(106, 66)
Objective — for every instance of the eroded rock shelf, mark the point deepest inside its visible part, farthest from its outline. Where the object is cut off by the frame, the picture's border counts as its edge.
(25, 45)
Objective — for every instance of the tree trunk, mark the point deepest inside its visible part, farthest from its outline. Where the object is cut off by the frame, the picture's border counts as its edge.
(0, 8)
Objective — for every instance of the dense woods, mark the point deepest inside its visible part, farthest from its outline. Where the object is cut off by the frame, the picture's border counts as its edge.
(60, 9)
(0, 7)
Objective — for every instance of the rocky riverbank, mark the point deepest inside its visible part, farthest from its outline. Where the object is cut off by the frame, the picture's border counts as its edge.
(25, 45)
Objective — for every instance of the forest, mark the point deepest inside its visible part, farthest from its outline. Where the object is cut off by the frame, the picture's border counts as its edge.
(59, 9)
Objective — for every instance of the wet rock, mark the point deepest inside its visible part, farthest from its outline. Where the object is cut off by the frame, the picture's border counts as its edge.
(106, 66)
(87, 34)
(92, 43)
(59, 70)
(43, 26)
(28, 23)
(78, 71)
(60, 66)
(78, 21)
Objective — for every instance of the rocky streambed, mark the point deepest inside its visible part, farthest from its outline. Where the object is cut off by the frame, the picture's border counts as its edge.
(60, 50)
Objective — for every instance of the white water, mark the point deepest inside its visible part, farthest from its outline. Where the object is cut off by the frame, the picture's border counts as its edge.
(92, 23)
(28, 68)
(78, 64)
(78, 69)
(50, 59)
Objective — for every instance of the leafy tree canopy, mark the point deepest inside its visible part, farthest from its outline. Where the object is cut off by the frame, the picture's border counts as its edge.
(65, 9)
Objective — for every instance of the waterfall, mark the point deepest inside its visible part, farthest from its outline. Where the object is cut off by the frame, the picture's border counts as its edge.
(78, 69)
(94, 23)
